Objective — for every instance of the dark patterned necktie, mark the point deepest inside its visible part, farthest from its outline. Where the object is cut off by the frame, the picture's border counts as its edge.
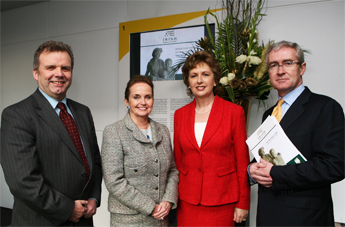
(72, 129)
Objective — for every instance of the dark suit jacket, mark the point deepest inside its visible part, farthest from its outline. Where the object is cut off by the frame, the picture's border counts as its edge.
(41, 164)
(301, 193)
(216, 172)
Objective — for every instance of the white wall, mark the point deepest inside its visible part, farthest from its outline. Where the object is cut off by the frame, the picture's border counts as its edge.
(92, 28)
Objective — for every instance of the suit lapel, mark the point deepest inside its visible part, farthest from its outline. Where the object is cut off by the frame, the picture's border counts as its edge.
(214, 121)
(49, 116)
(189, 124)
(136, 132)
(295, 110)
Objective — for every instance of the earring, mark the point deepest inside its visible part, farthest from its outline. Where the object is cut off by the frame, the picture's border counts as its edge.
(128, 107)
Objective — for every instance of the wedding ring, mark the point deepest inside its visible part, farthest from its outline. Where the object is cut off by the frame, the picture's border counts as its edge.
(244, 219)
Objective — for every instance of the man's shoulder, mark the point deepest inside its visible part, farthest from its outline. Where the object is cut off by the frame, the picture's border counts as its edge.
(319, 101)
(310, 98)
(74, 104)
(28, 102)
(320, 98)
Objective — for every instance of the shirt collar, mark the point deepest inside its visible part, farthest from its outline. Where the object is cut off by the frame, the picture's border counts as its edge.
(53, 102)
(290, 97)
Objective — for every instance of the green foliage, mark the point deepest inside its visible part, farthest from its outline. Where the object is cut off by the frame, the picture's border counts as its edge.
(236, 47)
(237, 36)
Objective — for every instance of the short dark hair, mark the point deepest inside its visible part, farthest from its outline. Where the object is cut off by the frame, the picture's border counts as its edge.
(156, 50)
(52, 46)
(279, 45)
(197, 58)
(137, 79)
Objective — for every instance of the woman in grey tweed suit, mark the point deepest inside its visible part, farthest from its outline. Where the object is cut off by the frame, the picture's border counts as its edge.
(138, 164)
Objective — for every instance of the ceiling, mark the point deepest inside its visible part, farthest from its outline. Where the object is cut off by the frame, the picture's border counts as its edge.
(13, 4)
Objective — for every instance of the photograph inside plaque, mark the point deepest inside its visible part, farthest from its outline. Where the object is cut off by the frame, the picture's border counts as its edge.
(153, 53)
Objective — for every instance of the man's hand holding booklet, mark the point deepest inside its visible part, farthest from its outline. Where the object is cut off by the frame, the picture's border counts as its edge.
(270, 143)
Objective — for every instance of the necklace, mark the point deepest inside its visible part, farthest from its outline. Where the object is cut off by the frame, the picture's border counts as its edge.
(203, 112)
(206, 110)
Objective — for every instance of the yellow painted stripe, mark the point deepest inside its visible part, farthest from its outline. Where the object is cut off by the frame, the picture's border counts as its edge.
(150, 24)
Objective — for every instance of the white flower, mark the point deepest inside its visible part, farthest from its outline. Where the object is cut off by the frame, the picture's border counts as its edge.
(231, 76)
(224, 80)
(252, 52)
(241, 59)
(254, 60)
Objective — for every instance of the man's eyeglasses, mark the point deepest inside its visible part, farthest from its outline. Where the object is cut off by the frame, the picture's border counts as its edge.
(274, 66)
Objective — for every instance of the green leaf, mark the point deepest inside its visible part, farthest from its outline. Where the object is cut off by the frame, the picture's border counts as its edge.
(230, 93)
(264, 92)
(241, 76)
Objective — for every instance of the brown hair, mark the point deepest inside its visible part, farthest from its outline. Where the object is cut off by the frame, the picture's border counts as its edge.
(197, 58)
(52, 46)
(137, 79)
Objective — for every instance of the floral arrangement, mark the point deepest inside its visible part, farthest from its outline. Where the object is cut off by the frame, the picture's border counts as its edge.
(242, 59)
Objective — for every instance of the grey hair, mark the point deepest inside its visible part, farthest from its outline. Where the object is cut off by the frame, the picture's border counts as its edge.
(279, 45)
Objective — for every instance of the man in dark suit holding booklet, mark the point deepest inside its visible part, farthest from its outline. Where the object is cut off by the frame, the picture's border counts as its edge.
(300, 194)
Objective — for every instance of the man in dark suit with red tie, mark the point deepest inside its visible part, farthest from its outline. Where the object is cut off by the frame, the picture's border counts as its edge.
(300, 194)
(49, 151)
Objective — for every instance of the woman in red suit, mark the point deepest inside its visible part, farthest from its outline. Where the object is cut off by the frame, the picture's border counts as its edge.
(210, 151)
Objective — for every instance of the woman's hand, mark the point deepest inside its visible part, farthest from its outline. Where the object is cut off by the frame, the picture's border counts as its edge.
(240, 215)
(162, 210)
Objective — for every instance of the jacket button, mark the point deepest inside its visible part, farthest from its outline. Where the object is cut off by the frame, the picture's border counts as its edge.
(83, 175)
(156, 188)
(156, 160)
(199, 170)
(156, 175)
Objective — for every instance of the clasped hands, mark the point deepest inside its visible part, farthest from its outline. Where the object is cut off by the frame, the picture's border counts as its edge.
(260, 172)
(161, 210)
(83, 208)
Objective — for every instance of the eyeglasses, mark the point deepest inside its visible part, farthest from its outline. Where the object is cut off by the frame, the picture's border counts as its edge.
(274, 66)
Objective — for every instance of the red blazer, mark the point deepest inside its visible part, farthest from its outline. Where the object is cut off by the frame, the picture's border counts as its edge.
(215, 173)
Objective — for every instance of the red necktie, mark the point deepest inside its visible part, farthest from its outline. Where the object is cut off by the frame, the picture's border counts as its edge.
(72, 129)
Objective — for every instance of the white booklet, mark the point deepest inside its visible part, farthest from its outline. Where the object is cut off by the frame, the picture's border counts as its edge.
(270, 142)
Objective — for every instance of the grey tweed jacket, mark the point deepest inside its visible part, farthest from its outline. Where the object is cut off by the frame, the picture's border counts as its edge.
(138, 173)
